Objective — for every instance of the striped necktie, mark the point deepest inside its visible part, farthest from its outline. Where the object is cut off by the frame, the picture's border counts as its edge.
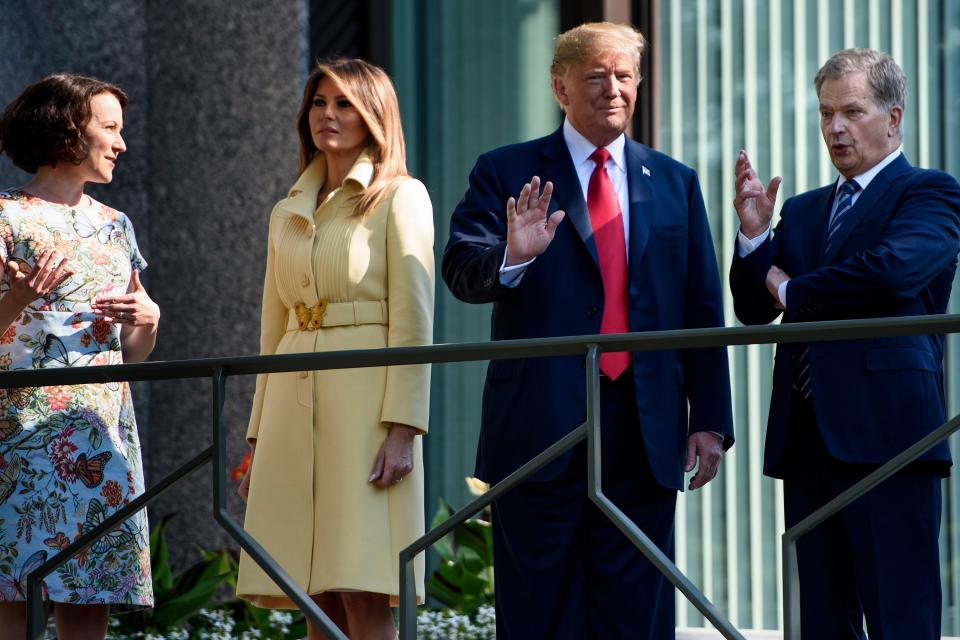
(847, 190)
(802, 381)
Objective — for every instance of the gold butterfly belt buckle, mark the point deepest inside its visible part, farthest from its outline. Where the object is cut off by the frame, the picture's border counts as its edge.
(309, 318)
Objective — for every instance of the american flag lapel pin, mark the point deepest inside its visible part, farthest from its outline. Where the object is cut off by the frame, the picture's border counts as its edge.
(646, 171)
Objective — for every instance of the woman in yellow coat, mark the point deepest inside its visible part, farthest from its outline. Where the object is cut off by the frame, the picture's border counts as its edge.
(335, 487)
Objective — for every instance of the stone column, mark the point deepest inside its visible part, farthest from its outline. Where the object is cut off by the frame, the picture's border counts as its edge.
(214, 88)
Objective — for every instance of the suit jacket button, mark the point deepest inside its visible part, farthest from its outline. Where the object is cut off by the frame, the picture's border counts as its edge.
(592, 310)
(303, 374)
(487, 283)
(305, 281)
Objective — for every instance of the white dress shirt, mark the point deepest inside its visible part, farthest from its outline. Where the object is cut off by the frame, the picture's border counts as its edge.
(746, 246)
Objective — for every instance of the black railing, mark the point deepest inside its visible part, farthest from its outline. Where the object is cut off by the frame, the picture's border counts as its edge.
(218, 369)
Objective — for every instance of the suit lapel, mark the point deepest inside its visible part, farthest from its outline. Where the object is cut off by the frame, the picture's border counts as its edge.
(641, 192)
(558, 168)
(865, 204)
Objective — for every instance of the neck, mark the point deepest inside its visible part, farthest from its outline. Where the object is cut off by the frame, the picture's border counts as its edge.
(55, 186)
(338, 166)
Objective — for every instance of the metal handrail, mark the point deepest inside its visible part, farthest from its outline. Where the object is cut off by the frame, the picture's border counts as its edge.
(791, 577)
(219, 368)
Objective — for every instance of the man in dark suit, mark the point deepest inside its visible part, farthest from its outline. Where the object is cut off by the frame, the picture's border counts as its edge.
(629, 251)
(881, 241)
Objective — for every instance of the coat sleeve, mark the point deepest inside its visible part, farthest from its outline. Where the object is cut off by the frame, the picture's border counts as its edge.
(708, 375)
(478, 238)
(273, 320)
(410, 291)
(752, 302)
(920, 242)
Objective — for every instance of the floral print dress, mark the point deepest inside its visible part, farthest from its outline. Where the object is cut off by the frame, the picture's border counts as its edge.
(69, 455)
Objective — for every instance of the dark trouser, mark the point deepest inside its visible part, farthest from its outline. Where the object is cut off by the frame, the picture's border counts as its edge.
(563, 570)
(878, 558)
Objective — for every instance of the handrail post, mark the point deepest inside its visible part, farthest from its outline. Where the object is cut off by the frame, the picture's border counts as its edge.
(791, 588)
(36, 614)
(408, 596)
(594, 464)
(627, 526)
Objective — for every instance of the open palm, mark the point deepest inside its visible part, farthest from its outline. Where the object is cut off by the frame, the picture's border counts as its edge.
(754, 204)
(529, 229)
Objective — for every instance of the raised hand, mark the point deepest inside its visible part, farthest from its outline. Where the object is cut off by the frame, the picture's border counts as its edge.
(134, 308)
(529, 230)
(754, 204)
(27, 284)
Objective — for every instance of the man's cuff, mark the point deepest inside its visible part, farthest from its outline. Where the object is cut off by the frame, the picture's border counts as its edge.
(746, 245)
(782, 293)
(511, 276)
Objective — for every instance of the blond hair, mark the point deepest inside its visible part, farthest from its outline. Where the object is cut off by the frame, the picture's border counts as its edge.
(370, 91)
(592, 38)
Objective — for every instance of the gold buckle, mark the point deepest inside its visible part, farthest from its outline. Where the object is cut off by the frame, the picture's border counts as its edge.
(309, 318)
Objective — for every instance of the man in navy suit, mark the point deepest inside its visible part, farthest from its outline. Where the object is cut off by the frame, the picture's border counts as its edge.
(881, 241)
(629, 251)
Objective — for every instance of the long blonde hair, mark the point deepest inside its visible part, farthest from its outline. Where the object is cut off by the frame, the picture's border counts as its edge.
(370, 91)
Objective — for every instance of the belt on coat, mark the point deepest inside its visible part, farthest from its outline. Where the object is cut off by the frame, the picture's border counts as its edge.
(336, 314)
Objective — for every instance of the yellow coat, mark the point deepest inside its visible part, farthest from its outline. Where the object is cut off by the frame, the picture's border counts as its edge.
(310, 504)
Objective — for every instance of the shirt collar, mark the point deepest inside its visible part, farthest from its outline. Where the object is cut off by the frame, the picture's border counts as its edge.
(581, 149)
(302, 197)
(313, 177)
(867, 176)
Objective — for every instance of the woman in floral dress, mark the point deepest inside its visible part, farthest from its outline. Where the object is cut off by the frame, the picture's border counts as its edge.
(70, 296)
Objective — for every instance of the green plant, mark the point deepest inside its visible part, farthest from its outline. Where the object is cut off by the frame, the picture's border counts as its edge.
(464, 579)
(189, 598)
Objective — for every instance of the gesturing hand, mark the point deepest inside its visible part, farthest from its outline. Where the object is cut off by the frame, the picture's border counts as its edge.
(754, 204)
(529, 230)
(27, 284)
(395, 458)
(134, 308)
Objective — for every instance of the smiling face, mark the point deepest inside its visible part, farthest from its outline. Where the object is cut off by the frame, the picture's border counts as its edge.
(103, 139)
(336, 126)
(599, 95)
(858, 134)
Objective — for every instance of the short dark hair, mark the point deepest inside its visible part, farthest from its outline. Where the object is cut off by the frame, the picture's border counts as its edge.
(44, 124)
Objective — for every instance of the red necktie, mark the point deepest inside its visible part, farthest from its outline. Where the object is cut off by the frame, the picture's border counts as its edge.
(604, 208)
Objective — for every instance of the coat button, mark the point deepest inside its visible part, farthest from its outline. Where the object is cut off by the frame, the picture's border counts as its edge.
(303, 374)
(305, 281)
(592, 310)
(487, 283)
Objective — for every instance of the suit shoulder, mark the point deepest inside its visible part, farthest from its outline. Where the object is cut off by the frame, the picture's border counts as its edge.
(932, 177)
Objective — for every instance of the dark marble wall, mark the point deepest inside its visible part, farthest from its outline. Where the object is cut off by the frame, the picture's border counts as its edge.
(214, 86)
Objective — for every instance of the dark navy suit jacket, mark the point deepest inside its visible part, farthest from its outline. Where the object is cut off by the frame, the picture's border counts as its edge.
(894, 254)
(674, 283)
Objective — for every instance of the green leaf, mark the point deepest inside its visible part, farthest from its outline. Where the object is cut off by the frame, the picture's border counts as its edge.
(160, 558)
(443, 546)
(188, 603)
(471, 560)
(26, 319)
(96, 439)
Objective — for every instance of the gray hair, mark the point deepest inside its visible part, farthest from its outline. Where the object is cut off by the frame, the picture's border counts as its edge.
(887, 80)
